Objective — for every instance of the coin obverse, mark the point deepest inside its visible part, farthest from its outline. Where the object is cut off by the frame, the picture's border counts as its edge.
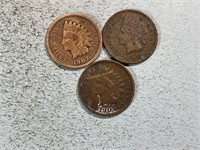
(73, 41)
(106, 88)
(130, 36)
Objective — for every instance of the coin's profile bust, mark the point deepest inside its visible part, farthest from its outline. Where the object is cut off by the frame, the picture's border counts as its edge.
(107, 89)
(75, 39)
(131, 34)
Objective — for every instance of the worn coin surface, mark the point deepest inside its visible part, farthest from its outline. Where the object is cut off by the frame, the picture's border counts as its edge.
(106, 88)
(130, 36)
(73, 41)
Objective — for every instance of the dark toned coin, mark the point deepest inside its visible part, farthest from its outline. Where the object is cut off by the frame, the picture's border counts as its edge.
(73, 41)
(106, 88)
(130, 36)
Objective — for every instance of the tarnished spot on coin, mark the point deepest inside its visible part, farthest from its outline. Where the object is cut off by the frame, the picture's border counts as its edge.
(106, 88)
(73, 41)
(130, 36)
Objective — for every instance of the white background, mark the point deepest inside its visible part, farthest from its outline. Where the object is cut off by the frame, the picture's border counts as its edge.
(39, 106)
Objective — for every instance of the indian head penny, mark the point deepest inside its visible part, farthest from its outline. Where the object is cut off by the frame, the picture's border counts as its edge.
(106, 88)
(73, 41)
(130, 36)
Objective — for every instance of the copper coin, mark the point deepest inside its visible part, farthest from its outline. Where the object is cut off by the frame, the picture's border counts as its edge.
(106, 88)
(73, 41)
(130, 36)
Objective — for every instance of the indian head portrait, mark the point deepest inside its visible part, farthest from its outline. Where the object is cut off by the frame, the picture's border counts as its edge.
(131, 35)
(75, 39)
(106, 89)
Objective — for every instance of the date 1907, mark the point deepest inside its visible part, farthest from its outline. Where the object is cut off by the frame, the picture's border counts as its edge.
(81, 60)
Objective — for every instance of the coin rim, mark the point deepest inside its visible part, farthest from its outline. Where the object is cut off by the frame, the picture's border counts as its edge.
(106, 45)
(125, 106)
(50, 51)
